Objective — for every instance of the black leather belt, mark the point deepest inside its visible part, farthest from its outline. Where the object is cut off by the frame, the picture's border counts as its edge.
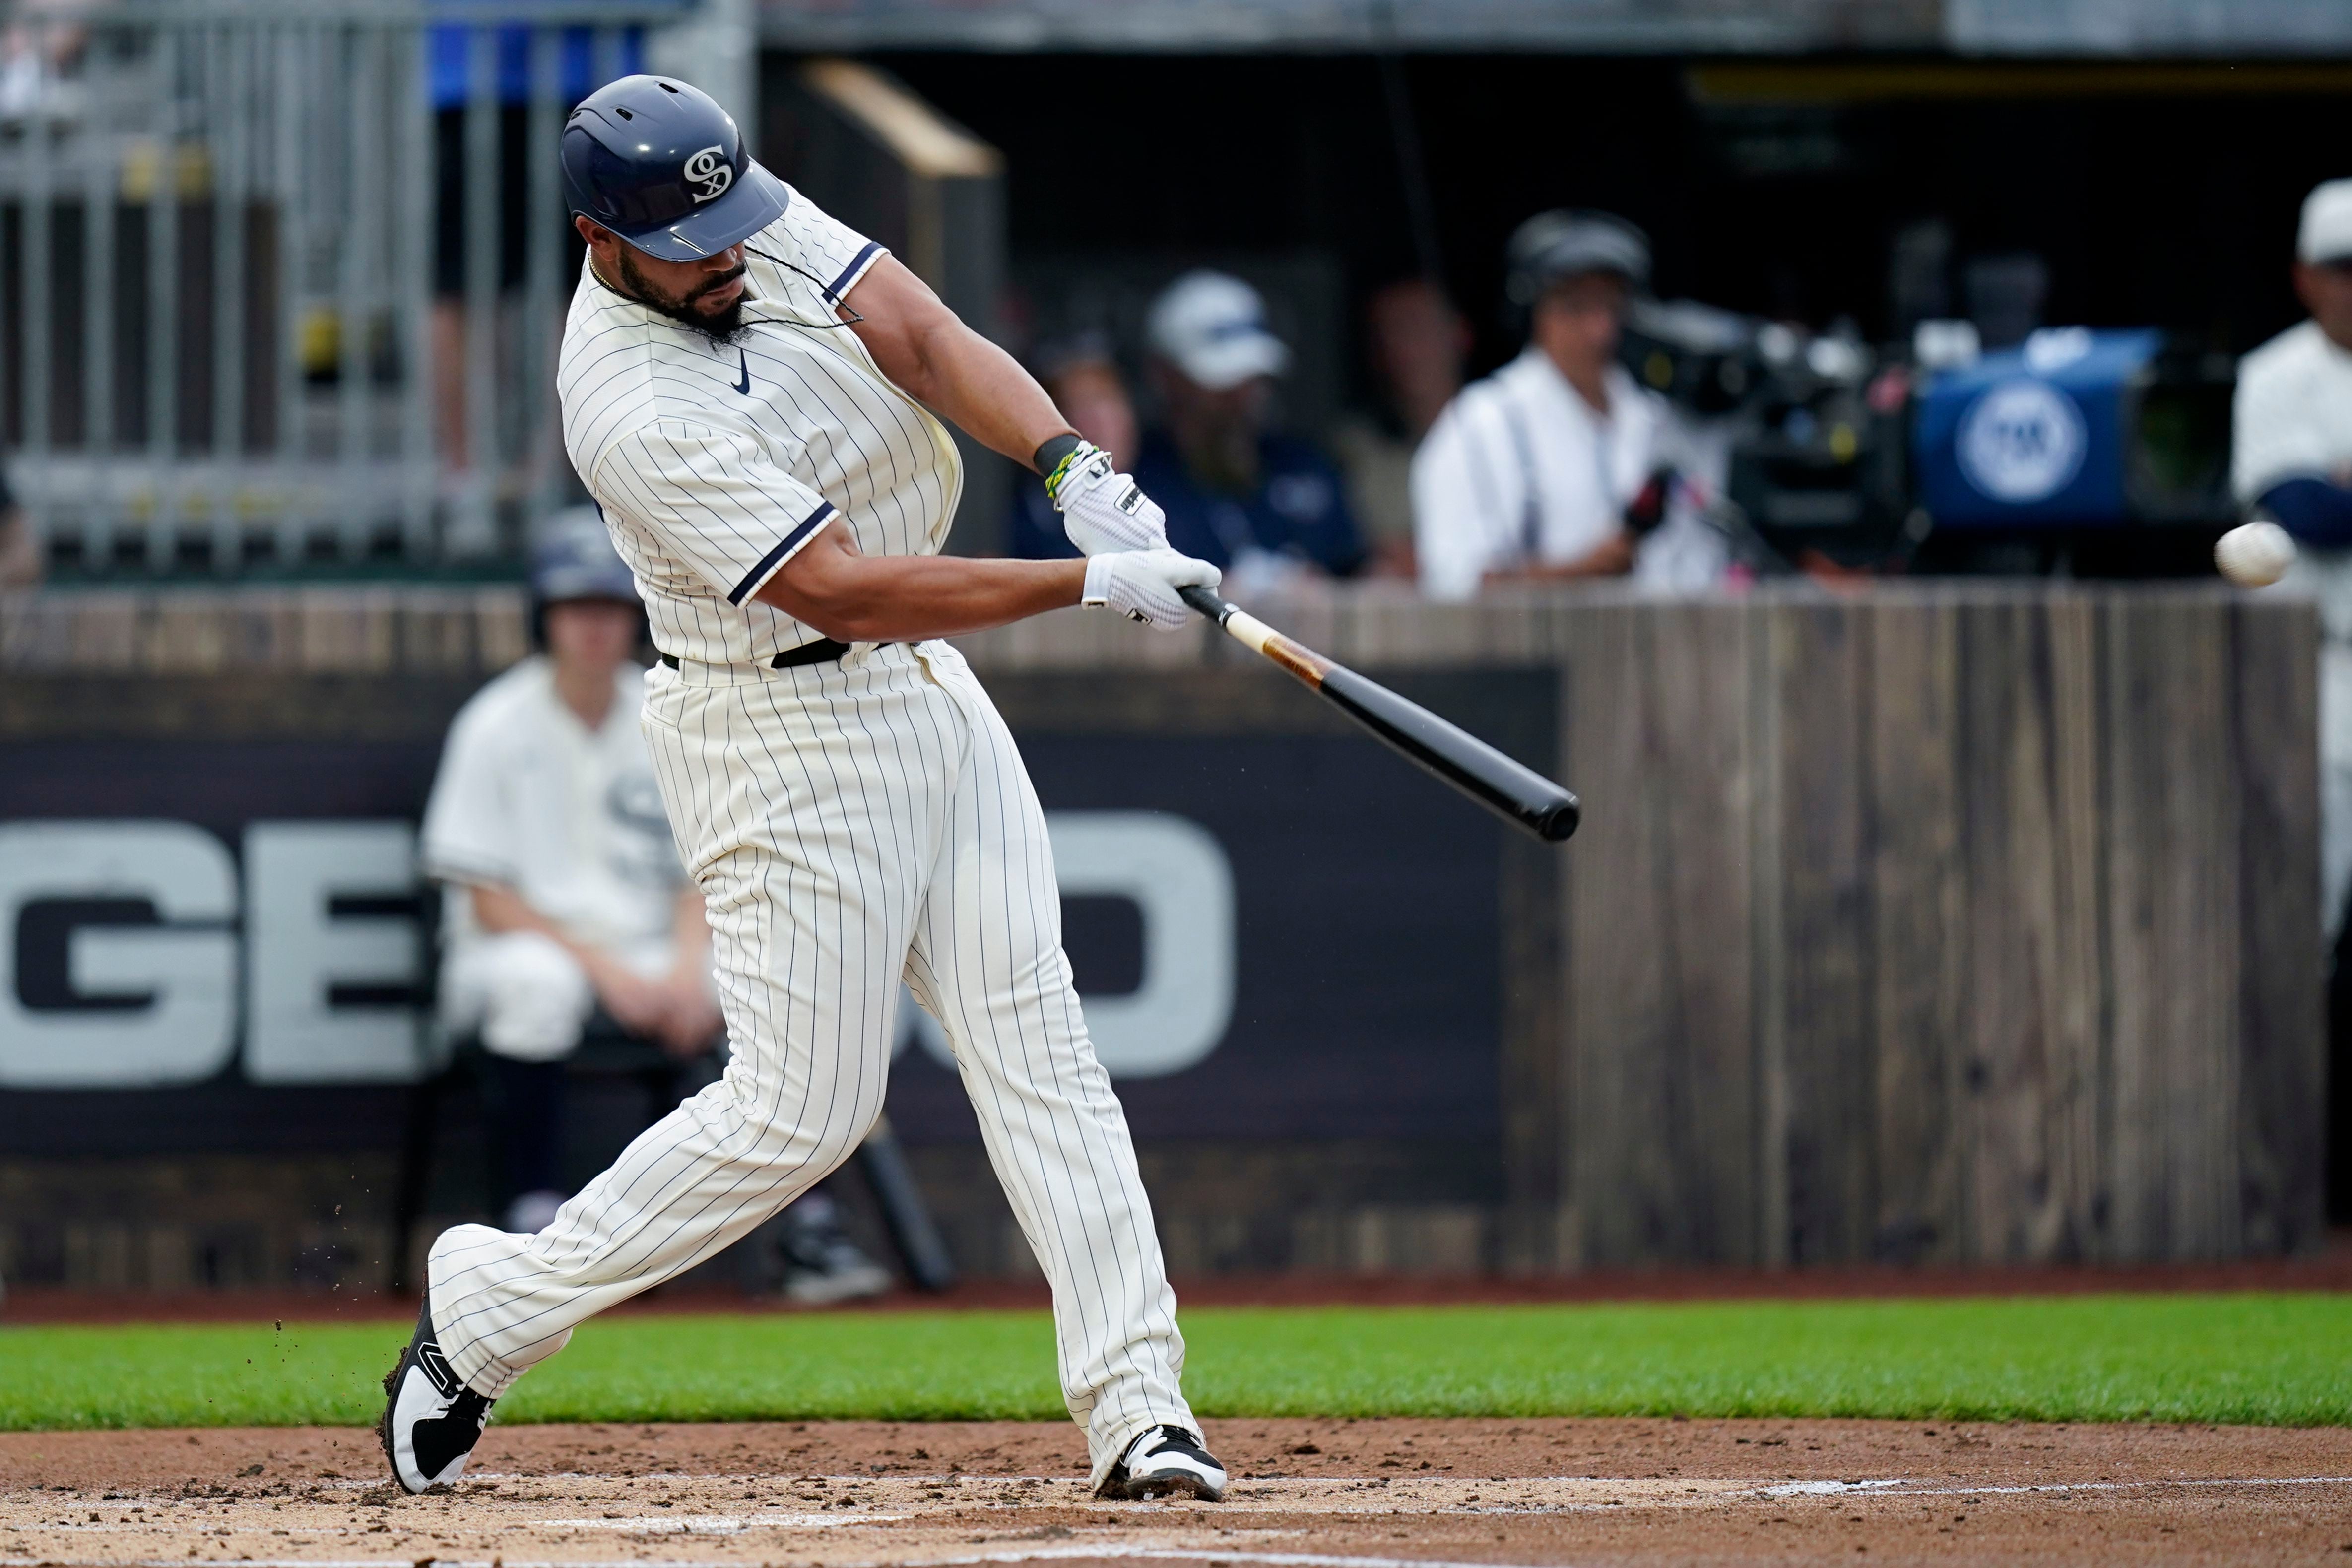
(825, 651)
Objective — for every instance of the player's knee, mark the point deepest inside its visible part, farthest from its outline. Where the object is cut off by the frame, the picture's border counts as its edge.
(538, 998)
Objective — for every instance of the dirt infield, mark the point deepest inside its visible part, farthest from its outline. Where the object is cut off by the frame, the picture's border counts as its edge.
(1307, 1493)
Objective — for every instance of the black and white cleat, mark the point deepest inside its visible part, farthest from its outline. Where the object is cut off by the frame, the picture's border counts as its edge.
(1167, 1461)
(430, 1420)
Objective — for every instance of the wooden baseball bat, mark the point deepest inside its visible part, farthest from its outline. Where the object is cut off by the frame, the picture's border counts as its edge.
(1516, 793)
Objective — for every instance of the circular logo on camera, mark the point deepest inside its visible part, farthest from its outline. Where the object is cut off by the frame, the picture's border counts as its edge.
(709, 173)
(2022, 441)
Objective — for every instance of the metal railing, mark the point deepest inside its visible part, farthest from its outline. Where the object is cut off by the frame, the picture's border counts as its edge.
(283, 283)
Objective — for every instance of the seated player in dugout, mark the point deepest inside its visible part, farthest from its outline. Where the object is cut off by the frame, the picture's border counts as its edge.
(1551, 468)
(1266, 507)
(563, 897)
(753, 393)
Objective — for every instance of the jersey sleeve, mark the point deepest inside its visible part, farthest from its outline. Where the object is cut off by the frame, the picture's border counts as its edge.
(2273, 435)
(714, 499)
(467, 836)
(829, 251)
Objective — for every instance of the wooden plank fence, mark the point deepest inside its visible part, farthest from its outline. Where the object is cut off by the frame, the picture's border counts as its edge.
(1937, 926)
(1938, 923)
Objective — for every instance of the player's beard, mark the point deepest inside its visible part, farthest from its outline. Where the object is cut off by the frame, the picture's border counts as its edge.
(721, 326)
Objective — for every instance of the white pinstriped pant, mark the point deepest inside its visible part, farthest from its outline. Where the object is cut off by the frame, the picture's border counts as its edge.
(852, 824)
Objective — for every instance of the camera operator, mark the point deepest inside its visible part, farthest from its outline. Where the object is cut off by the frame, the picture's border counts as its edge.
(1549, 469)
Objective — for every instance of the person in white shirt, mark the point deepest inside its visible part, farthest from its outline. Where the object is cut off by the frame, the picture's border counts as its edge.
(1534, 472)
(564, 890)
(2291, 458)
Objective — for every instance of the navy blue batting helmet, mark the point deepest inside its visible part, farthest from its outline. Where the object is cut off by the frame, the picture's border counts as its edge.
(662, 166)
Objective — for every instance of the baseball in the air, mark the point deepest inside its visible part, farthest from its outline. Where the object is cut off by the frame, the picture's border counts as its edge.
(2254, 554)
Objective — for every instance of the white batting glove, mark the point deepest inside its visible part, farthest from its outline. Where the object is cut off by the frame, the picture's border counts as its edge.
(1141, 585)
(1103, 510)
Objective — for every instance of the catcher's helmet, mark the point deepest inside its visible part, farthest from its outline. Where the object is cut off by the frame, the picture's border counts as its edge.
(575, 560)
(663, 166)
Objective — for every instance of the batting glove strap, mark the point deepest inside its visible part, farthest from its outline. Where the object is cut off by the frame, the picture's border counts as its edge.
(1141, 585)
(1103, 510)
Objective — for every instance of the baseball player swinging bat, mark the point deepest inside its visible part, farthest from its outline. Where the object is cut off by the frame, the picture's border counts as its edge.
(1518, 793)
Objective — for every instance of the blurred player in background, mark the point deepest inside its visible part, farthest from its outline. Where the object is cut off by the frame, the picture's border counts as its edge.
(2291, 458)
(1417, 344)
(1543, 470)
(565, 894)
(1082, 377)
(1264, 506)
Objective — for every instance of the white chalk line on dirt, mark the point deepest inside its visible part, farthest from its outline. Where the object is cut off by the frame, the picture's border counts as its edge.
(722, 1523)
(1032, 1554)
(1912, 1488)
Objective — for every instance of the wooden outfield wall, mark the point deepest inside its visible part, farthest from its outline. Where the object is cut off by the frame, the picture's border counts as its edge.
(1950, 924)
(1941, 927)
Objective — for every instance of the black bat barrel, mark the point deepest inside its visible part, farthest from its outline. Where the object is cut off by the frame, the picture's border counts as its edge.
(1511, 789)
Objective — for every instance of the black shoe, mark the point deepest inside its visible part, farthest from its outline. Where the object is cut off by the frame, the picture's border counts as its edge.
(430, 1420)
(1166, 1461)
(822, 1265)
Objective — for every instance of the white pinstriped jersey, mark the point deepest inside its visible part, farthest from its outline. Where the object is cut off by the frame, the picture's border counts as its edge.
(714, 465)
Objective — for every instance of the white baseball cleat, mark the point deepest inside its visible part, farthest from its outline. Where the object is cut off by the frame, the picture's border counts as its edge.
(431, 1420)
(1167, 1461)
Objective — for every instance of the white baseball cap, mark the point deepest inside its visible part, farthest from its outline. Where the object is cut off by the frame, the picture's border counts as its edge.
(1212, 326)
(2327, 231)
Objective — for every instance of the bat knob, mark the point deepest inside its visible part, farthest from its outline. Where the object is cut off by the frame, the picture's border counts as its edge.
(1206, 601)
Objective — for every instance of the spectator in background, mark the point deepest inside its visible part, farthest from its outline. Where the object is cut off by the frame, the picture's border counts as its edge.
(40, 48)
(564, 893)
(449, 72)
(1417, 344)
(20, 552)
(2292, 458)
(1084, 381)
(1266, 507)
(1531, 473)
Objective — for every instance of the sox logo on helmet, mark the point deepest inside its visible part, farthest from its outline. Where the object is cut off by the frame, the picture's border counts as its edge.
(709, 173)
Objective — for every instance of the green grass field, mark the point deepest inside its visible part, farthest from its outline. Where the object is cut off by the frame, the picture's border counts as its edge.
(2283, 1359)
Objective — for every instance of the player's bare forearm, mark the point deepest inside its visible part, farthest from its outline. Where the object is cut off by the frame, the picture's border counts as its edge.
(855, 597)
(934, 358)
(689, 929)
(690, 934)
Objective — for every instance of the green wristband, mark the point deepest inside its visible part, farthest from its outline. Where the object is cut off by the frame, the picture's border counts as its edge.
(1053, 456)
